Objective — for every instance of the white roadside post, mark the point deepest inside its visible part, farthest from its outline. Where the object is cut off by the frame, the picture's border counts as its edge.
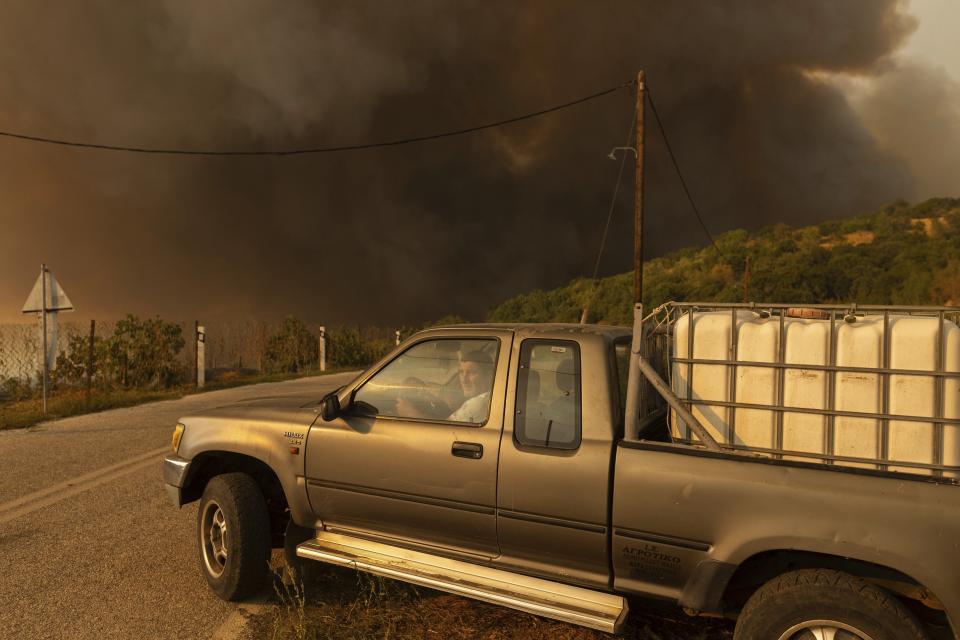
(397, 334)
(201, 362)
(46, 299)
(322, 345)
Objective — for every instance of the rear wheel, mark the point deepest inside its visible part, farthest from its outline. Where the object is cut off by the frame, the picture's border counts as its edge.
(818, 604)
(233, 532)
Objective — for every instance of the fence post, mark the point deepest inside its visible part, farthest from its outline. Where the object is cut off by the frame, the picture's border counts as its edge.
(93, 333)
(322, 346)
(201, 340)
(196, 351)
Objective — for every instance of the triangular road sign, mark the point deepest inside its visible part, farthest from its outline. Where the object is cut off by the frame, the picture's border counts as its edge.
(57, 299)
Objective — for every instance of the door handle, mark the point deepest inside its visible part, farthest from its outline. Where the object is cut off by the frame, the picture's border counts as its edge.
(470, 450)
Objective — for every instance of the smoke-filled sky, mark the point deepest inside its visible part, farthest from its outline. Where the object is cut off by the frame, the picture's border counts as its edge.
(779, 111)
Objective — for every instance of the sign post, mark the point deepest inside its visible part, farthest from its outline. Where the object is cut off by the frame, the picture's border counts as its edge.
(47, 297)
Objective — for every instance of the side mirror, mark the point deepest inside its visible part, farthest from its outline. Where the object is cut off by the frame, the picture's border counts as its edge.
(330, 407)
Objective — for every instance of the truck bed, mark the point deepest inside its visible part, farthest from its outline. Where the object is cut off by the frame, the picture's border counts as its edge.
(685, 518)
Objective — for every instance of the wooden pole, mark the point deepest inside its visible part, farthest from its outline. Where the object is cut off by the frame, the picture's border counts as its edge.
(746, 279)
(638, 195)
(93, 333)
(632, 409)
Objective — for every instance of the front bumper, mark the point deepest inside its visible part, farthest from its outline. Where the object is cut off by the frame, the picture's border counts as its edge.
(175, 471)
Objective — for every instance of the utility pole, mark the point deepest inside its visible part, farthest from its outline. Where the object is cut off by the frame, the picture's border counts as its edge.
(632, 412)
(638, 195)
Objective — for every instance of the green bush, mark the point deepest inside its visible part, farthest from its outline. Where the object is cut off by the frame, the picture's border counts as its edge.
(346, 348)
(141, 353)
(14, 389)
(72, 362)
(292, 348)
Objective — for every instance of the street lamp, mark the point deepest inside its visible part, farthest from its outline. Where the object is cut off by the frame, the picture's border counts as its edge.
(613, 152)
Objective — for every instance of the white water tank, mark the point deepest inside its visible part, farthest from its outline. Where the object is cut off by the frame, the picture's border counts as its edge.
(912, 346)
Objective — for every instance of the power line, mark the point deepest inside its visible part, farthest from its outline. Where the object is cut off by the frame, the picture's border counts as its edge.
(683, 183)
(317, 150)
(584, 316)
(613, 199)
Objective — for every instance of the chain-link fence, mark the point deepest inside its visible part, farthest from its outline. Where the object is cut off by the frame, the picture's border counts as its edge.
(156, 354)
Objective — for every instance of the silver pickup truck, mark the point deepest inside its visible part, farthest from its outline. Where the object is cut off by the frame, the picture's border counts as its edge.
(491, 461)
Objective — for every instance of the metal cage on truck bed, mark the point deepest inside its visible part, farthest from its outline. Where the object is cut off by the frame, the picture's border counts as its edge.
(869, 386)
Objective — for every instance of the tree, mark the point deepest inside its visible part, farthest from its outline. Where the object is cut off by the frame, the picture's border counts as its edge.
(292, 348)
(946, 284)
(144, 352)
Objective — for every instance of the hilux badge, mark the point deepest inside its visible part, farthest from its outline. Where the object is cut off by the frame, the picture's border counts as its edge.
(293, 438)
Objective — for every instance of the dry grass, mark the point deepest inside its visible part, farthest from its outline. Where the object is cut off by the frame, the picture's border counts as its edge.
(25, 413)
(71, 402)
(341, 604)
(854, 239)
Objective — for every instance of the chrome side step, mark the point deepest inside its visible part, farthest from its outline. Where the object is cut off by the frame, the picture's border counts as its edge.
(577, 605)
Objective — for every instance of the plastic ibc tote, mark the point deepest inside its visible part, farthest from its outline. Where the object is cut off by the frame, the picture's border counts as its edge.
(860, 344)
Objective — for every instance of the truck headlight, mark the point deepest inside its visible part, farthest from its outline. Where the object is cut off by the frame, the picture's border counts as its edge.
(177, 434)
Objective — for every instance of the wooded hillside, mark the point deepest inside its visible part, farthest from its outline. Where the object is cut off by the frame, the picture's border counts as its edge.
(901, 254)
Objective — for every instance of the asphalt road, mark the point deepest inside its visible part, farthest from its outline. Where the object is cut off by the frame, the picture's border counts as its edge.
(90, 547)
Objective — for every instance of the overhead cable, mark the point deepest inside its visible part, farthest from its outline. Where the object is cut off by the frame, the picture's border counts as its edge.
(683, 183)
(613, 198)
(317, 150)
(584, 317)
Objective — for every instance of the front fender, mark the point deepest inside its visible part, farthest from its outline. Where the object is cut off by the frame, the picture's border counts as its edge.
(275, 438)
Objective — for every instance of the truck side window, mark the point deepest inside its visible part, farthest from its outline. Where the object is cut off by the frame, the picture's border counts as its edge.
(548, 394)
(444, 380)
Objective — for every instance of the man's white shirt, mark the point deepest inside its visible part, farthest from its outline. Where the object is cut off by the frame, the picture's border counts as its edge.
(474, 409)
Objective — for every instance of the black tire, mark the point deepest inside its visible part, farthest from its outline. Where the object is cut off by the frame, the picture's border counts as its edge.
(784, 606)
(233, 535)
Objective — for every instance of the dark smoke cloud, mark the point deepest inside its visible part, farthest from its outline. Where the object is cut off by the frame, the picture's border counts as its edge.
(915, 111)
(409, 233)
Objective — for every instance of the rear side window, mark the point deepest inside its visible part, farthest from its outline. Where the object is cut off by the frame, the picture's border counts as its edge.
(548, 395)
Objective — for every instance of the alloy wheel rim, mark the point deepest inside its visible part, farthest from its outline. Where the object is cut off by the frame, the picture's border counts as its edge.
(824, 630)
(213, 538)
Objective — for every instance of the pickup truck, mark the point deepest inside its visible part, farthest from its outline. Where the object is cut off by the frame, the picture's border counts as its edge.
(491, 461)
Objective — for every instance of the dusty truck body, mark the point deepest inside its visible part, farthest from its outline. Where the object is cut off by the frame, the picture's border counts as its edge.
(491, 461)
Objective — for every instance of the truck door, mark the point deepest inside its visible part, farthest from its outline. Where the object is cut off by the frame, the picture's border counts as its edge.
(554, 485)
(414, 459)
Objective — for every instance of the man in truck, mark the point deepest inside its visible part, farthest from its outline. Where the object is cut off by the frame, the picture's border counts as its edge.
(476, 377)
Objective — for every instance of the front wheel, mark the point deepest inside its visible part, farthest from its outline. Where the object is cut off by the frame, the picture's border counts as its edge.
(818, 604)
(233, 531)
